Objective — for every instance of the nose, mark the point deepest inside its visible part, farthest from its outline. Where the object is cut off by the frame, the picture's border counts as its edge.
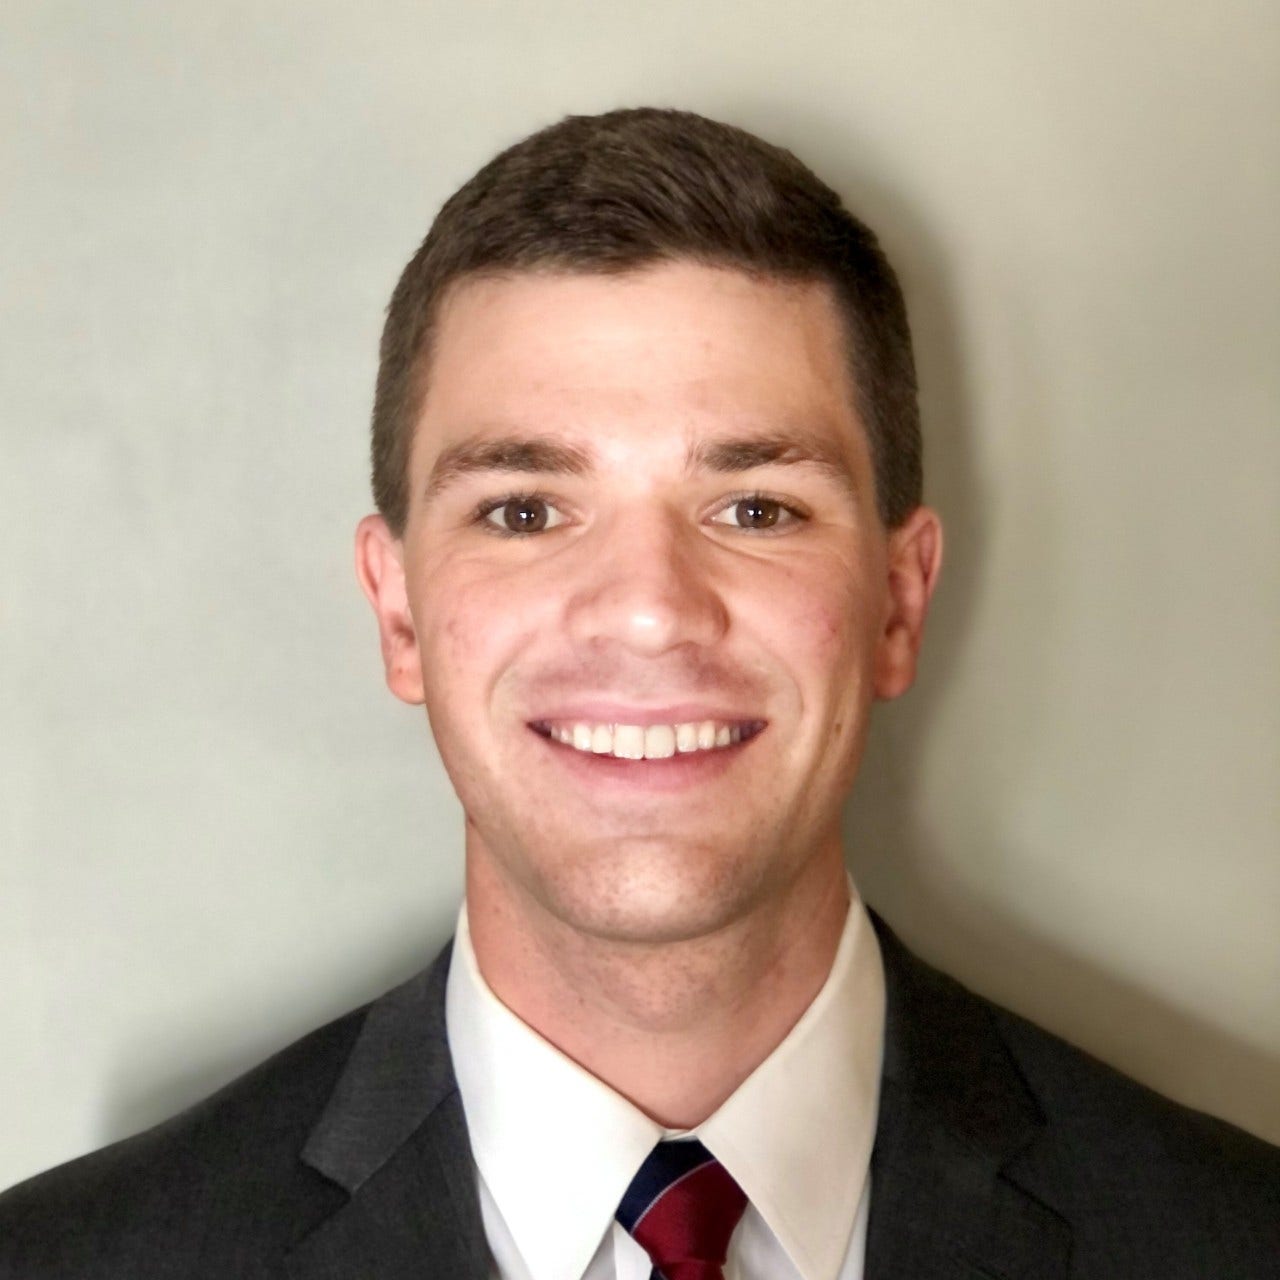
(647, 585)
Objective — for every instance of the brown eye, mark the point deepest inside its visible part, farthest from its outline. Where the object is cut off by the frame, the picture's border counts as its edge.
(757, 513)
(525, 514)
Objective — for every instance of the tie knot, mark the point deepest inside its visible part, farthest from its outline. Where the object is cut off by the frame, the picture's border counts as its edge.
(682, 1208)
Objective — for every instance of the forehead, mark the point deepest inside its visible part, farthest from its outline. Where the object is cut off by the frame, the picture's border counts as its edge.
(670, 354)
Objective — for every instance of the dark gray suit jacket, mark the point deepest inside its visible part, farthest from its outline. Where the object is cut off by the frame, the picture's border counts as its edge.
(1001, 1153)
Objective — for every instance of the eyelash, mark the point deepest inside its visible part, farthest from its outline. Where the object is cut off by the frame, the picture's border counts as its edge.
(483, 510)
(794, 510)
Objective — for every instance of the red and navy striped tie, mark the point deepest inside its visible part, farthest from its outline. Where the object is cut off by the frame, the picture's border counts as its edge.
(682, 1208)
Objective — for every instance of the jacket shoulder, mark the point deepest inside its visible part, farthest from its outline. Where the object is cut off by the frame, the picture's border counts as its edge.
(1137, 1175)
(205, 1193)
(1146, 1187)
(1129, 1141)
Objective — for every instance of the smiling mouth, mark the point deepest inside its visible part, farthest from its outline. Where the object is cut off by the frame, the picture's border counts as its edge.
(651, 741)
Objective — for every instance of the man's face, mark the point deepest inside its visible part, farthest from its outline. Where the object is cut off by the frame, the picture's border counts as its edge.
(642, 522)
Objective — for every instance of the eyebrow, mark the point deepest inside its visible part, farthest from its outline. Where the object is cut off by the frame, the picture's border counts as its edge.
(787, 449)
(509, 453)
(531, 455)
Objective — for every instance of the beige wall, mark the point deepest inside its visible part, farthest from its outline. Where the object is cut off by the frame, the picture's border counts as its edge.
(217, 829)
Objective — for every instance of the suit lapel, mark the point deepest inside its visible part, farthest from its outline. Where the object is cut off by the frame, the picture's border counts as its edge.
(945, 1202)
(954, 1114)
(394, 1136)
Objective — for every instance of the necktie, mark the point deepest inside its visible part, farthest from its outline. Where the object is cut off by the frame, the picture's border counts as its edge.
(682, 1208)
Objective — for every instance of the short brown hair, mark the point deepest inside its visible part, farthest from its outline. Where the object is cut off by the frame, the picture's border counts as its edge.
(623, 190)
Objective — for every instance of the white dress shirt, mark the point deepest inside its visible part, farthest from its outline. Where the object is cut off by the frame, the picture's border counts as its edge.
(555, 1147)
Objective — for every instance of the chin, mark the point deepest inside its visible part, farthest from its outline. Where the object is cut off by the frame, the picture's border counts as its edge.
(650, 892)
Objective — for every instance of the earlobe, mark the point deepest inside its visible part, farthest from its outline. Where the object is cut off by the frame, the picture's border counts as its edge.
(380, 570)
(914, 563)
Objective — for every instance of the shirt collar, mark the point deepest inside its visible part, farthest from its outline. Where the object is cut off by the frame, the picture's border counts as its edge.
(557, 1147)
(797, 1133)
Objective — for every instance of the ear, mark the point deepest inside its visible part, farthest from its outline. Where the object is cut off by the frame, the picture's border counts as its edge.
(380, 568)
(914, 562)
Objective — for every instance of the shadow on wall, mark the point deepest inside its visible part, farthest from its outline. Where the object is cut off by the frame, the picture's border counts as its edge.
(893, 863)
(1132, 1029)
(892, 859)
(134, 1102)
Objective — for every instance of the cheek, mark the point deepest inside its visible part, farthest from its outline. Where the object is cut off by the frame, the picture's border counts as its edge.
(474, 627)
(821, 616)
(827, 626)
(822, 628)
(463, 628)
(469, 626)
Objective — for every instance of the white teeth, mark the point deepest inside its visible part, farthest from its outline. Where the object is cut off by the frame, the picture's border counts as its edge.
(646, 742)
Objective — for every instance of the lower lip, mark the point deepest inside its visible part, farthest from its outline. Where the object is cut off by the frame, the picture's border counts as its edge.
(674, 773)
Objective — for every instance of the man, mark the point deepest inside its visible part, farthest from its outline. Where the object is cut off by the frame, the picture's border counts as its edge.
(650, 543)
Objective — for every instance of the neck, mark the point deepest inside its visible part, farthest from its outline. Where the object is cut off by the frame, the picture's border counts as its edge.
(675, 1027)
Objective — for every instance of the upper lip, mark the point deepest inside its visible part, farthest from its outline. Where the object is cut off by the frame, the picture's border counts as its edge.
(602, 712)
